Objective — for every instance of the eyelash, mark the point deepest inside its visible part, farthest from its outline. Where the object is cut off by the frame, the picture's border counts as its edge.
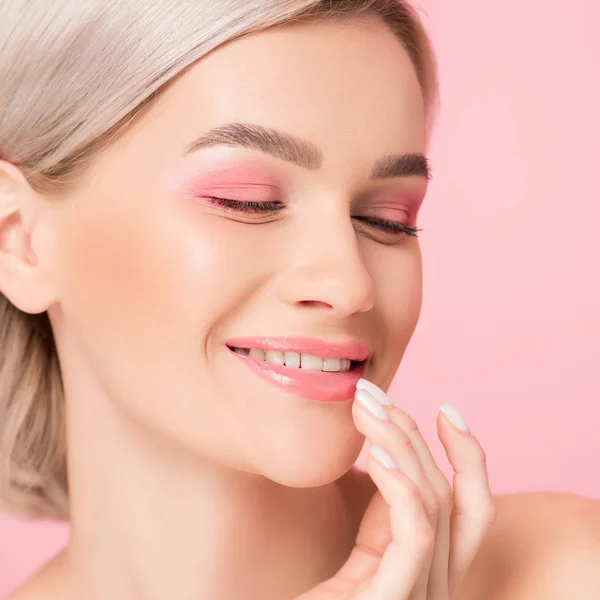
(393, 227)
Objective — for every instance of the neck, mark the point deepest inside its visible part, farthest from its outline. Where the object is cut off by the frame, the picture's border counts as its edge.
(150, 523)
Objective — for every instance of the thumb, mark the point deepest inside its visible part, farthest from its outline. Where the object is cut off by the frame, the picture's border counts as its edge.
(374, 536)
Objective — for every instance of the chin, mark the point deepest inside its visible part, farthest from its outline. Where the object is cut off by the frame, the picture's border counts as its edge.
(315, 466)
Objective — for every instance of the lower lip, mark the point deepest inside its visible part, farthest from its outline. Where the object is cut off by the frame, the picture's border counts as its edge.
(313, 385)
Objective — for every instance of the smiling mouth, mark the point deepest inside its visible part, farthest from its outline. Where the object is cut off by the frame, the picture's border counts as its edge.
(300, 360)
(305, 367)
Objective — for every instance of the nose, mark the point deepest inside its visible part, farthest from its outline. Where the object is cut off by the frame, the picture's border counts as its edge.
(326, 270)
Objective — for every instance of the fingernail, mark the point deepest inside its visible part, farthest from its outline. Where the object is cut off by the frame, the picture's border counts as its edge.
(455, 417)
(384, 457)
(365, 384)
(371, 404)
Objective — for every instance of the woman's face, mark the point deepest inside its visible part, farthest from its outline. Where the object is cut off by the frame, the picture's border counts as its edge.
(155, 282)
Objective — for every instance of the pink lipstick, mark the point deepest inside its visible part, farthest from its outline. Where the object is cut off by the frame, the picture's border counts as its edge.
(321, 385)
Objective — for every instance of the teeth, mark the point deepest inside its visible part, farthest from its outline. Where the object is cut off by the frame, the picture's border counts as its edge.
(297, 360)
(256, 353)
(291, 359)
(311, 363)
(332, 364)
(273, 356)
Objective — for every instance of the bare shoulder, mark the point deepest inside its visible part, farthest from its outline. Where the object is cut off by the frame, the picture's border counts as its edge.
(46, 584)
(542, 545)
(27, 591)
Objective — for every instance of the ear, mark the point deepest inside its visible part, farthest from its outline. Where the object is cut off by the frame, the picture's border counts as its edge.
(24, 279)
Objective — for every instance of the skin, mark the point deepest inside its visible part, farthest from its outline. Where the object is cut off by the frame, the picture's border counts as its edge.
(184, 467)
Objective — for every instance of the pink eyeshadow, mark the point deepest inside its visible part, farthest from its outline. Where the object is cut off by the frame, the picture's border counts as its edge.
(247, 181)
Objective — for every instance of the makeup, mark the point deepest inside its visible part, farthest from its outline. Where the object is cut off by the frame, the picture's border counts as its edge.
(244, 181)
(309, 383)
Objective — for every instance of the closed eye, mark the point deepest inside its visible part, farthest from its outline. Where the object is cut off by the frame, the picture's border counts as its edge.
(250, 206)
(390, 226)
(253, 207)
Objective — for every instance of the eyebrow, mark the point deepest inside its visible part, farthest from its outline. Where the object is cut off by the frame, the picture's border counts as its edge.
(305, 154)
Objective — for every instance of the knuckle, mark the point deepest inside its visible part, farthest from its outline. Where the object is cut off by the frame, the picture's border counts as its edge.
(403, 420)
(445, 496)
(432, 502)
(403, 439)
(410, 423)
(412, 491)
(481, 458)
(424, 539)
(373, 542)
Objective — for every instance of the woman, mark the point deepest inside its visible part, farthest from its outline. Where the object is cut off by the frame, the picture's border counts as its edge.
(210, 272)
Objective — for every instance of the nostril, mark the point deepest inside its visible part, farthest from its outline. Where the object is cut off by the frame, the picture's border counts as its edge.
(313, 303)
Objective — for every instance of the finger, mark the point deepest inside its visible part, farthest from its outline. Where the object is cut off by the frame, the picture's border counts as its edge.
(373, 419)
(474, 509)
(438, 497)
(437, 588)
(412, 535)
(381, 430)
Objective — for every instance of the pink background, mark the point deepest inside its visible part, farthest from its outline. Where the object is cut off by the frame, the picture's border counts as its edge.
(510, 327)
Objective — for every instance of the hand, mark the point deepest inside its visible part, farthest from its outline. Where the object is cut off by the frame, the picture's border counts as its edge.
(418, 535)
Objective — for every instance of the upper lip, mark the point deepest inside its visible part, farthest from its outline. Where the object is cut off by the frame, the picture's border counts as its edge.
(352, 349)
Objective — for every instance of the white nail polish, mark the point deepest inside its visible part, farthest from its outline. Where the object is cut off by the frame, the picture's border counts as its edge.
(455, 417)
(371, 404)
(378, 393)
(383, 457)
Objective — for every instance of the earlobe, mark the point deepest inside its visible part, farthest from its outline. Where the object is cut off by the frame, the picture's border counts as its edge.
(22, 279)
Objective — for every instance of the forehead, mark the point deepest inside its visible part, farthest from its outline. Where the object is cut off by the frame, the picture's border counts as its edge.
(335, 81)
(349, 88)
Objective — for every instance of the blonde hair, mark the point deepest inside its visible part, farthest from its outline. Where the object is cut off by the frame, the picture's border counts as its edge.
(75, 75)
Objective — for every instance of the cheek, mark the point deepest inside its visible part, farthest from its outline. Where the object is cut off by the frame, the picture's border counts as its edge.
(151, 282)
(398, 279)
(142, 293)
